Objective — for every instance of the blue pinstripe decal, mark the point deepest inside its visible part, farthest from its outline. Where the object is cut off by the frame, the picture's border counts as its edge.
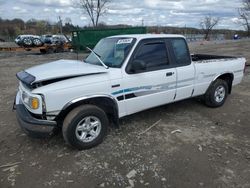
(156, 88)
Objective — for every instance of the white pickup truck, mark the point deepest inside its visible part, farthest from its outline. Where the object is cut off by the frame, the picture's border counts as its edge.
(123, 75)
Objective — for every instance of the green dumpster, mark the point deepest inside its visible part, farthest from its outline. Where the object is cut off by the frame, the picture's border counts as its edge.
(90, 37)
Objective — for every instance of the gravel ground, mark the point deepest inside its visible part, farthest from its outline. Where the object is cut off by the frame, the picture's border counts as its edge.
(212, 148)
(8, 44)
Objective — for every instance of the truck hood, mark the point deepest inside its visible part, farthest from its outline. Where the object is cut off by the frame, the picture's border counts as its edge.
(58, 70)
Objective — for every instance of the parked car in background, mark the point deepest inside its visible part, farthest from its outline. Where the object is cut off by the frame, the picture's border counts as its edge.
(54, 39)
(29, 41)
(59, 39)
(46, 39)
(236, 37)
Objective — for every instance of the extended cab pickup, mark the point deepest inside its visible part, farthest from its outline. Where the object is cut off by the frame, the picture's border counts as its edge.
(123, 75)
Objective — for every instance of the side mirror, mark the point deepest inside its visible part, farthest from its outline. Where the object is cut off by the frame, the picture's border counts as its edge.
(137, 66)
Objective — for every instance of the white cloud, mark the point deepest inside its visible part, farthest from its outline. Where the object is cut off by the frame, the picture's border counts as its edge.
(65, 2)
(151, 3)
(83, 18)
(178, 13)
(48, 2)
(235, 20)
(19, 10)
(125, 12)
(153, 12)
(212, 1)
(59, 10)
(16, 8)
(46, 10)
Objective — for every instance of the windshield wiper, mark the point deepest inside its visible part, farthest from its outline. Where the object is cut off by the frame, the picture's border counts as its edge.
(98, 57)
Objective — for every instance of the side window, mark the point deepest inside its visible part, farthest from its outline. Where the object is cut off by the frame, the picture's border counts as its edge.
(153, 56)
(180, 51)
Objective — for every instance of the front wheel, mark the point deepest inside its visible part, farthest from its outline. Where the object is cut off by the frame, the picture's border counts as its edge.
(216, 93)
(85, 127)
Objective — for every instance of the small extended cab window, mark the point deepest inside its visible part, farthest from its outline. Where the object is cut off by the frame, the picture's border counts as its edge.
(180, 51)
(153, 55)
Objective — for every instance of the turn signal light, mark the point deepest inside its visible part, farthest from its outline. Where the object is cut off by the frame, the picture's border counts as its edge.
(34, 103)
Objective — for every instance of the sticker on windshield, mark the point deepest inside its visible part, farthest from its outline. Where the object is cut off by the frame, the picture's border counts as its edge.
(124, 41)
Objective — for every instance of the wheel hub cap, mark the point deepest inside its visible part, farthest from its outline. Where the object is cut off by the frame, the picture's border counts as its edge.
(219, 94)
(88, 129)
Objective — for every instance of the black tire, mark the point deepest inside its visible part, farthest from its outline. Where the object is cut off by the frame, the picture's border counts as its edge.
(72, 121)
(37, 42)
(210, 96)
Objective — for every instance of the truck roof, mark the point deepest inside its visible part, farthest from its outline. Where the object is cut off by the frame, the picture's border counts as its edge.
(147, 36)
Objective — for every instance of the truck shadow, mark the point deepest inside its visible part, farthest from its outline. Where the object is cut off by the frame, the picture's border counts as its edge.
(160, 112)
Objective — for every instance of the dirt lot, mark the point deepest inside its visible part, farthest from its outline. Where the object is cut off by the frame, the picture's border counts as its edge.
(212, 149)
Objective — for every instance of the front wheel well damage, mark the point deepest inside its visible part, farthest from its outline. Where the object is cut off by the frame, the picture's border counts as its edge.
(108, 105)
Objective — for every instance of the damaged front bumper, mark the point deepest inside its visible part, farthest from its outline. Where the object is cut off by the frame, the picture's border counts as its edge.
(32, 126)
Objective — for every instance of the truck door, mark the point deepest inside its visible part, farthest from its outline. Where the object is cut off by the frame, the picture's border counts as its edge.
(184, 68)
(148, 78)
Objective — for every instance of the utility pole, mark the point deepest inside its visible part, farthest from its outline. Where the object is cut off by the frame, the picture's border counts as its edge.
(60, 24)
(142, 22)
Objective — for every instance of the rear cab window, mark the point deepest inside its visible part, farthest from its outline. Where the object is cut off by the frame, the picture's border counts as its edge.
(180, 51)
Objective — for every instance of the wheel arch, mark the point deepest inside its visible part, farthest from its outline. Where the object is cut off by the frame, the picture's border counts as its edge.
(106, 102)
(226, 76)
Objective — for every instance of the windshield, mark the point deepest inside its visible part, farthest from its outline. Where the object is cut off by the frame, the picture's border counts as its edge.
(112, 51)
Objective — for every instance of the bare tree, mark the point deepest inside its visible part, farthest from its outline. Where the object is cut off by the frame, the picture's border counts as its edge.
(94, 9)
(244, 14)
(60, 24)
(68, 20)
(207, 24)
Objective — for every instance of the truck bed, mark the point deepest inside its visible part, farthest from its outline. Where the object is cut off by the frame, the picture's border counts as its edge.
(207, 57)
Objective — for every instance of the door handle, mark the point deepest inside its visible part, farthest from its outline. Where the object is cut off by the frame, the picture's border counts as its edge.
(169, 73)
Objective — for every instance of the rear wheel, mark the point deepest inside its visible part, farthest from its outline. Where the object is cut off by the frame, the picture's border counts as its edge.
(85, 127)
(217, 93)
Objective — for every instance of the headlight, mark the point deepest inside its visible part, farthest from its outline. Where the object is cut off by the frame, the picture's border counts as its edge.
(32, 102)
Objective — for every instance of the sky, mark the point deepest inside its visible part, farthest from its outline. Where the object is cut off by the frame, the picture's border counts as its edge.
(178, 13)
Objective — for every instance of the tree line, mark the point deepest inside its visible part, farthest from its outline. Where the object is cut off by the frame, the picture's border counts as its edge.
(11, 28)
